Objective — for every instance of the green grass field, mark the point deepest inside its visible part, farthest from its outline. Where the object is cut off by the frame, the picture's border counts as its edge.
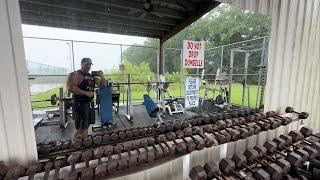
(139, 90)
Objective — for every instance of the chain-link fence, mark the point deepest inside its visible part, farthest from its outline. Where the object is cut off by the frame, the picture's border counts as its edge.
(43, 77)
(109, 56)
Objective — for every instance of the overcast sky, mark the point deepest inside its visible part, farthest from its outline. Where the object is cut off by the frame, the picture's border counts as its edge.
(57, 53)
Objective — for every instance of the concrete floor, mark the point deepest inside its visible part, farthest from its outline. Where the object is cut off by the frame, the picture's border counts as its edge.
(45, 134)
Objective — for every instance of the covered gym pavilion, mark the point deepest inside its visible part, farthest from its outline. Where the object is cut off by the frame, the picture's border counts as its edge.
(293, 65)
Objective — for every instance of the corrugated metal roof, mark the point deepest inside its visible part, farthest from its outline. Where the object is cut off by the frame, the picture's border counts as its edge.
(149, 18)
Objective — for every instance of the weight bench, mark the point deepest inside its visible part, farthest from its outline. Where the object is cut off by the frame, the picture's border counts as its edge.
(152, 109)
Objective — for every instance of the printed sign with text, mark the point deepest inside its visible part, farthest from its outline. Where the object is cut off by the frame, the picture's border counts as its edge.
(193, 54)
(192, 92)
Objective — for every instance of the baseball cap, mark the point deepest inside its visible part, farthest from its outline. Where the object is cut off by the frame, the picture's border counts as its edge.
(86, 61)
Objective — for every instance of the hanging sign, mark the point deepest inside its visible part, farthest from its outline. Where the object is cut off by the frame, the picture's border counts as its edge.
(192, 92)
(193, 54)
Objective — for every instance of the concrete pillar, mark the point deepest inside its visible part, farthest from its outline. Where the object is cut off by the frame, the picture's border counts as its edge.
(17, 139)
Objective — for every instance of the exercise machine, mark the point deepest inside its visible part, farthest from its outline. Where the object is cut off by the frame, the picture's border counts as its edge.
(222, 100)
(172, 105)
(162, 88)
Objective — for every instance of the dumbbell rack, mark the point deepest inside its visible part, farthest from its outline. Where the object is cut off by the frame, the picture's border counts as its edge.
(161, 147)
(284, 156)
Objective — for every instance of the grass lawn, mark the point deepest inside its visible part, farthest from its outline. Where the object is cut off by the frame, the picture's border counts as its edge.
(139, 90)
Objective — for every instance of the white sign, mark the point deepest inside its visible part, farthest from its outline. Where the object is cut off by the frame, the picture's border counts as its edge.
(192, 92)
(193, 54)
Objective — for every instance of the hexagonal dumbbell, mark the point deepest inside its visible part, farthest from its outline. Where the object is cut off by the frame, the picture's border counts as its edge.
(191, 145)
(136, 132)
(129, 133)
(106, 138)
(297, 136)
(293, 158)
(97, 140)
(87, 173)
(281, 119)
(171, 146)
(87, 142)
(227, 167)
(212, 170)
(73, 159)
(161, 138)
(285, 165)
(122, 135)
(313, 153)
(264, 126)
(199, 141)
(142, 155)
(47, 168)
(87, 156)
(58, 163)
(151, 141)
(33, 169)
(151, 153)
(133, 158)
(101, 171)
(221, 124)
(15, 172)
(245, 129)
(188, 131)
(196, 130)
(223, 136)
(306, 132)
(3, 170)
(234, 133)
(123, 160)
(197, 173)
(171, 136)
(114, 136)
(209, 139)
(274, 171)
(179, 134)
(181, 146)
(165, 149)
(302, 115)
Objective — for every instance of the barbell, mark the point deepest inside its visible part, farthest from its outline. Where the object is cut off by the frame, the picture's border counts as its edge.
(53, 99)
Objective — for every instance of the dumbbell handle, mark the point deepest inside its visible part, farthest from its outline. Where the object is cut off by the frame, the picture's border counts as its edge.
(237, 174)
(301, 171)
(307, 141)
(269, 158)
(260, 162)
(247, 167)
(73, 166)
(87, 162)
(280, 153)
(315, 136)
(287, 149)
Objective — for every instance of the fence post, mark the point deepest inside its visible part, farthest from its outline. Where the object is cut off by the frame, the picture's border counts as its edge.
(72, 50)
(221, 60)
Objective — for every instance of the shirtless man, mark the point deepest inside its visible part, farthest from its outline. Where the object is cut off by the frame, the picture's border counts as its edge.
(81, 83)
